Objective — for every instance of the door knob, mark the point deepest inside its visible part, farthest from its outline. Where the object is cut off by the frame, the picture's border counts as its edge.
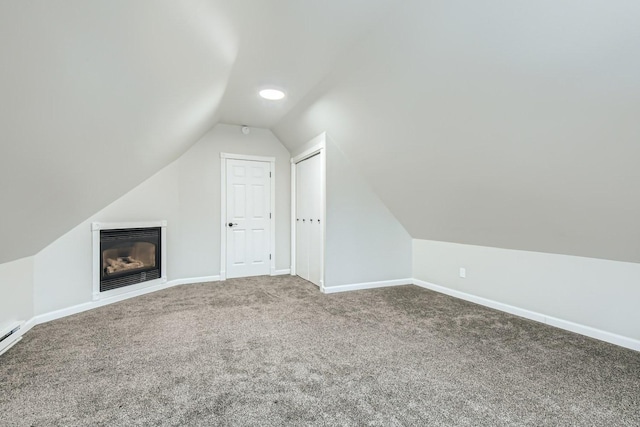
(231, 224)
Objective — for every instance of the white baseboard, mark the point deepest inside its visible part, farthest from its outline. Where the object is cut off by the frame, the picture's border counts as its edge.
(588, 331)
(281, 272)
(367, 285)
(527, 314)
(482, 301)
(79, 308)
(194, 280)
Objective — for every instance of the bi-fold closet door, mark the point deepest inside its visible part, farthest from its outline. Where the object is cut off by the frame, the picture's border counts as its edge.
(309, 219)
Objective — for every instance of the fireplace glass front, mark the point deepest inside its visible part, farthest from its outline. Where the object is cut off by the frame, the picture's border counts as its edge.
(129, 256)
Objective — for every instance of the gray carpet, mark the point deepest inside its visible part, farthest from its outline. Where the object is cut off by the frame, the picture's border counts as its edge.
(274, 351)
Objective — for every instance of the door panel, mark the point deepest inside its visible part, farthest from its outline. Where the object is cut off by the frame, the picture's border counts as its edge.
(315, 216)
(258, 205)
(259, 242)
(239, 201)
(302, 235)
(239, 238)
(309, 220)
(248, 206)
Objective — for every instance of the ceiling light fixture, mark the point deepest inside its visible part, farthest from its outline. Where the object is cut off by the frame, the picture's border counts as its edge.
(272, 94)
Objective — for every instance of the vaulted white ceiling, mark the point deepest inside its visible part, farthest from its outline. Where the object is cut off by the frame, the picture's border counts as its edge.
(505, 124)
(509, 124)
(86, 83)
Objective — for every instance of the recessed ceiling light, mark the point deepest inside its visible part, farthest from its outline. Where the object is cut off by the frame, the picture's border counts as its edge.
(272, 94)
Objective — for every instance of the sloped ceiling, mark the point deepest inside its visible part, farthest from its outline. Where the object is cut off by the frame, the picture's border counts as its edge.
(508, 124)
(494, 123)
(98, 95)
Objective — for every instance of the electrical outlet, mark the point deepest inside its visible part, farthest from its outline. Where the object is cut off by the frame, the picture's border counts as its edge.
(463, 272)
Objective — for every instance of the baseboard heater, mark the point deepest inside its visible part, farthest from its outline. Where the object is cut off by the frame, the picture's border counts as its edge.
(10, 335)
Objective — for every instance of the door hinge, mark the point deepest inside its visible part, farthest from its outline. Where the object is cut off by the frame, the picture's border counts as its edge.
(269, 215)
(269, 256)
(269, 174)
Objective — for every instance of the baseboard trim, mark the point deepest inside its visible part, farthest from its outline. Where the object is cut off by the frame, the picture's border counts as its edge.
(588, 331)
(79, 308)
(482, 301)
(194, 280)
(366, 285)
(577, 328)
(281, 272)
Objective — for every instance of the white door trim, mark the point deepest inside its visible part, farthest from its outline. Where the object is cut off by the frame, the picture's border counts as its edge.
(318, 146)
(223, 208)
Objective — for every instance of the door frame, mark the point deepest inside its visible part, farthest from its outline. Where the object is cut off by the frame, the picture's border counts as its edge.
(223, 208)
(317, 146)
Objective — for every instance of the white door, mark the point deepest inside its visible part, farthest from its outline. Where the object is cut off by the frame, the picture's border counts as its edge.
(309, 219)
(315, 220)
(248, 221)
(302, 213)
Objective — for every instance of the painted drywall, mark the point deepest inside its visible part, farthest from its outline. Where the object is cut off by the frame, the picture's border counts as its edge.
(493, 123)
(186, 193)
(200, 191)
(90, 85)
(16, 288)
(364, 241)
(598, 293)
(63, 270)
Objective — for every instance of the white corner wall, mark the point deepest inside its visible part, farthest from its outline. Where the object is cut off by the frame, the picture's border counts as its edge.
(16, 291)
(586, 292)
(186, 193)
(364, 242)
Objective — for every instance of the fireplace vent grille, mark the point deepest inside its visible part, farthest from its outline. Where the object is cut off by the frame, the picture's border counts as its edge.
(131, 279)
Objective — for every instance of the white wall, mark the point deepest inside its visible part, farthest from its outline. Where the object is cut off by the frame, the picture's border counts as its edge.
(597, 293)
(200, 193)
(364, 241)
(16, 291)
(186, 193)
(63, 270)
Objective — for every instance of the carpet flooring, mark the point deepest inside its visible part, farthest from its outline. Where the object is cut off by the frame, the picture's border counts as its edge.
(274, 351)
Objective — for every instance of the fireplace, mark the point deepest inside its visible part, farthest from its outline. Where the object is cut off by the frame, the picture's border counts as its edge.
(128, 255)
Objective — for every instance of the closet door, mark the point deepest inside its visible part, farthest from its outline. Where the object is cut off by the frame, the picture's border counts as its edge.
(302, 231)
(309, 220)
(315, 219)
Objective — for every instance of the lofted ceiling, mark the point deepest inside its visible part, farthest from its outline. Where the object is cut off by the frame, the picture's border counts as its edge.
(493, 123)
(507, 124)
(84, 83)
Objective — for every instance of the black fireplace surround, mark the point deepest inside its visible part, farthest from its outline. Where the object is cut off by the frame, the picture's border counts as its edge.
(129, 256)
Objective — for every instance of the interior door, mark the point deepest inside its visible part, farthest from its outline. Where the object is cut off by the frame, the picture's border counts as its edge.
(309, 219)
(248, 218)
(315, 219)
(302, 229)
